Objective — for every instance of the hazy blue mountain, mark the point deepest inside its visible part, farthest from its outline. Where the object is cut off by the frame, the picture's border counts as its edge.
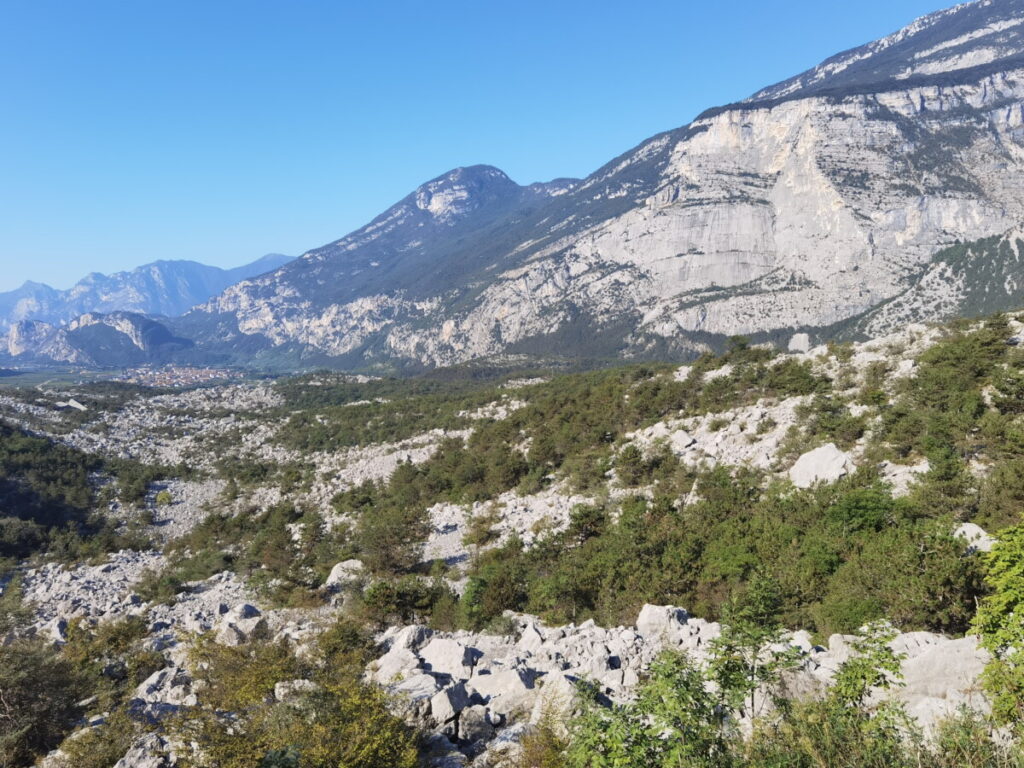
(166, 288)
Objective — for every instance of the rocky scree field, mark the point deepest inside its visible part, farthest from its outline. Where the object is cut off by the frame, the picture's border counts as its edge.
(488, 572)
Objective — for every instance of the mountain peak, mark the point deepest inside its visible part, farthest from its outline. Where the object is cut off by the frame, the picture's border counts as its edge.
(34, 286)
(463, 190)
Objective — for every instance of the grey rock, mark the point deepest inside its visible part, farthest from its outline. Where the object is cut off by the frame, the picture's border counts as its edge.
(825, 464)
(662, 622)
(395, 664)
(446, 704)
(448, 657)
(150, 751)
(506, 691)
(290, 690)
(344, 574)
(474, 725)
(975, 536)
(799, 342)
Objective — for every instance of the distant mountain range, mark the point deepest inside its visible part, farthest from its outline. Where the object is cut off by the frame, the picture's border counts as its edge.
(103, 320)
(883, 186)
(167, 288)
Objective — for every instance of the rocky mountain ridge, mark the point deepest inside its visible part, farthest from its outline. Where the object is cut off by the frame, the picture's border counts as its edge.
(805, 206)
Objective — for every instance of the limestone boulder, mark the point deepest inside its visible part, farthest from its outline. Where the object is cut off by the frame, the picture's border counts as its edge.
(662, 622)
(444, 656)
(394, 665)
(976, 537)
(799, 342)
(344, 574)
(447, 703)
(825, 464)
(291, 690)
(506, 691)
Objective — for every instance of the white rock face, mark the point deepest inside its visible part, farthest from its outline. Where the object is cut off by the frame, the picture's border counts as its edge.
(794, 208)
(673, 259)
(975, 536)
(825, 464)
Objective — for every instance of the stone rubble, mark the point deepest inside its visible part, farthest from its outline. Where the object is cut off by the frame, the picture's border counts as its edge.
(478, 691)
(527, 517)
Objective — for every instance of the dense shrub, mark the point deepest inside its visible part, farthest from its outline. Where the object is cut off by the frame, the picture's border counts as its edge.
(339, 722)
(39, 691)
(48, 502)
(841, 554)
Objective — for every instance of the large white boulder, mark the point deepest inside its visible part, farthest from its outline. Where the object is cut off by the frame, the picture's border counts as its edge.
(505, 690)
(556, 701)
(825, 464)
(443, 656)
(663, 623)
(531, 639)
(417, 689)
(976, 537)
(945, 669)
(412, 637)
(902, 476)
(394, 665)
(344, 574)
(942, 680)
(447, 703)
(799, 342)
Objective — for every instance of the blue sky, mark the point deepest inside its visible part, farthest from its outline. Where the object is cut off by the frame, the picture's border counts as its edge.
(220, 130)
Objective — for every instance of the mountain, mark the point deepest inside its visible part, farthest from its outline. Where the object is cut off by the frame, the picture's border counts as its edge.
(161, 288)
(965, 280)
(96, 340)
(808, 206)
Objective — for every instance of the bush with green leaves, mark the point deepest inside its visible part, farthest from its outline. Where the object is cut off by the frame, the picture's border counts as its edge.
(684, 716)
(1000, 626)
(48, 502)
(336, 721)
(39, 694)
(842, 555)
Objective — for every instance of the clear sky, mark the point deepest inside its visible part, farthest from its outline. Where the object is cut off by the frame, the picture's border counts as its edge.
(221, 130)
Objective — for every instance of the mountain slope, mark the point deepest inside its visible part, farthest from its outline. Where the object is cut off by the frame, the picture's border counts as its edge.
(951, 46)
(813, 202)
(96, 340)
(806, 206)
(160, 288)
(965, 280)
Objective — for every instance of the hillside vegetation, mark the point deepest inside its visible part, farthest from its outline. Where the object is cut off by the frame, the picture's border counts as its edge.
(733, 540)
